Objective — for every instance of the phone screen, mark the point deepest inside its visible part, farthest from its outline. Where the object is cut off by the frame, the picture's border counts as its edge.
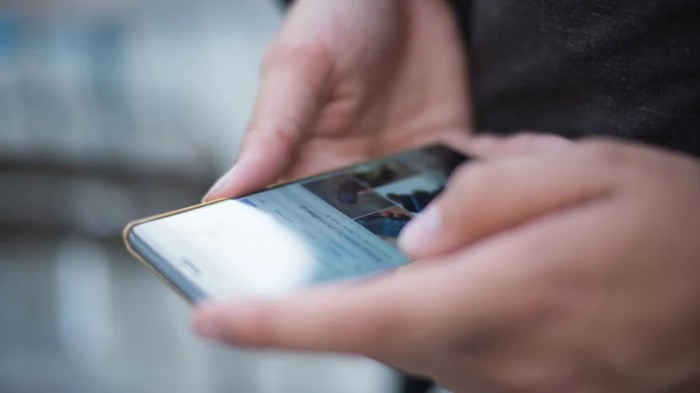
(336, 226)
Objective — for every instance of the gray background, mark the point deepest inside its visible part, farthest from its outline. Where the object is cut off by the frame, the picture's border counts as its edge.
(112, 110)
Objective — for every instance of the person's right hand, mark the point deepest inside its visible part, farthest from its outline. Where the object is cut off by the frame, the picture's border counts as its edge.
(347, 81)
(567, 268)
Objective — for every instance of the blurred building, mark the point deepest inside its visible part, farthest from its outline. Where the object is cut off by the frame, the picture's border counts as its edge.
(112, 110)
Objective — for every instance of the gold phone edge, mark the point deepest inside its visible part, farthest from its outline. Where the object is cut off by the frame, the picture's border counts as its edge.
(131, 225)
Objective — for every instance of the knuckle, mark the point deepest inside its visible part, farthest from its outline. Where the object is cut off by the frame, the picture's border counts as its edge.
(285, 134)
(606, 151)
(376, 336)
(285, 54)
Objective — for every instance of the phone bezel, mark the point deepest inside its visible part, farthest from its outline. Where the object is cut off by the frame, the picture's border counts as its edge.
(158, 265)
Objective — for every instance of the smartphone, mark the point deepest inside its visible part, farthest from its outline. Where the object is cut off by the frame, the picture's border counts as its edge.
(340, 225)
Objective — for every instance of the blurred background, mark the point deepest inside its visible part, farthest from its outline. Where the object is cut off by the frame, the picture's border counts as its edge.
(112, 110)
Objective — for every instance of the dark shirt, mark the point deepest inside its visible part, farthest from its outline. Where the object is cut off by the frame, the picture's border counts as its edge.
(624, 68)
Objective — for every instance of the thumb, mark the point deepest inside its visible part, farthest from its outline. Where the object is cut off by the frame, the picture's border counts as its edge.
(390, 314)
(292, 86)
(488, 197)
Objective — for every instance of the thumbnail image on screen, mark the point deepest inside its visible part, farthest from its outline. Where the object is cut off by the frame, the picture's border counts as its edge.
(383, 197)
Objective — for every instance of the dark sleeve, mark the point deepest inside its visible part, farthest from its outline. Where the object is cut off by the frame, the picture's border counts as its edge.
(463, 12)
(626, 68)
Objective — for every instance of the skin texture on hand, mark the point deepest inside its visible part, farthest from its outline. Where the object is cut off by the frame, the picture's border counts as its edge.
(346, 81)
(569, 269)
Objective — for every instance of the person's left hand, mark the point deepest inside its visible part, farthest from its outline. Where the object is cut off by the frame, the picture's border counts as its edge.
(571, 270)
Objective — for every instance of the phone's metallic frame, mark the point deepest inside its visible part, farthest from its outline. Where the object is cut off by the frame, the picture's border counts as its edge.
(161, 269)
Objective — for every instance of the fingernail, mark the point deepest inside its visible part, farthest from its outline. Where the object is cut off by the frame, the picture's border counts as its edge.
(421, 232)
(221, 183)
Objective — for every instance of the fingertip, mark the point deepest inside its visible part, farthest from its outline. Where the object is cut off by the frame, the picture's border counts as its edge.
(419, 235)
(225, 322)
(209, 321)
(221, 189)
(246, 176)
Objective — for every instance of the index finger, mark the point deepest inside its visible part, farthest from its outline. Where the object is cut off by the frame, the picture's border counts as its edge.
(290, 95)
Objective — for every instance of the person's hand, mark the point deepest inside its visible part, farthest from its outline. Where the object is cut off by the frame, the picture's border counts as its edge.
(570, 270)
(347, 81)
